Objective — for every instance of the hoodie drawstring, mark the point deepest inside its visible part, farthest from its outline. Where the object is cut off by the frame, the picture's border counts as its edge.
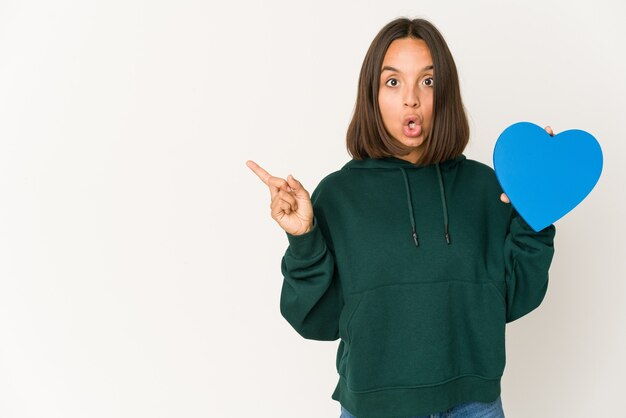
(408, 197)
(445, 206)
(443, 203)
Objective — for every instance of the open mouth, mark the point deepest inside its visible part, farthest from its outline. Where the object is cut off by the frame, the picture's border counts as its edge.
(412, 129)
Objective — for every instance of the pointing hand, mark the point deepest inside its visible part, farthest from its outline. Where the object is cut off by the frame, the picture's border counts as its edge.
(291, 203)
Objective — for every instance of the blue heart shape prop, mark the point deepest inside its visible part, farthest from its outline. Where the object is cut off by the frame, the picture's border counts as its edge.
(545, 177)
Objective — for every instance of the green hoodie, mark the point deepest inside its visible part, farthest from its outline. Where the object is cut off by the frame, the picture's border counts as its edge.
(417, 269)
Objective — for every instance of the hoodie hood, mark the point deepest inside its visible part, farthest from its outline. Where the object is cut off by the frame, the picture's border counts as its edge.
(394, 163)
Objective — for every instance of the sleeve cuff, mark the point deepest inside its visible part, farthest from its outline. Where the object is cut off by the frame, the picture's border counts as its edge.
(307, 245)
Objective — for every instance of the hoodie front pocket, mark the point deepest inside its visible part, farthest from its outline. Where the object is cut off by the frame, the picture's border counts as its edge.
(421, 334)
(348, 312)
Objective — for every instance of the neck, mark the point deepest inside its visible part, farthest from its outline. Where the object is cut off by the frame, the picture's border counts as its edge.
(411, 157)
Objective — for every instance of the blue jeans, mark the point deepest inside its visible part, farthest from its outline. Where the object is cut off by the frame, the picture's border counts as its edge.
(464, 410)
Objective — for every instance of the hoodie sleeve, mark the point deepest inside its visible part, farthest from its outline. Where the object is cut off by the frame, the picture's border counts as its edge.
(311, 300)
(528, 255)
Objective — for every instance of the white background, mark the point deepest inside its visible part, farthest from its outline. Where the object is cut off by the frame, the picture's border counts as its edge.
(139, 265)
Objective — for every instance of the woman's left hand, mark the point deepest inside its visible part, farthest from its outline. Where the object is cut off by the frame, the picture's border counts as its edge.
(503, 196)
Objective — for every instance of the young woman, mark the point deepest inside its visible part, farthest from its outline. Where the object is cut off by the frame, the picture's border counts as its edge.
(410, 253)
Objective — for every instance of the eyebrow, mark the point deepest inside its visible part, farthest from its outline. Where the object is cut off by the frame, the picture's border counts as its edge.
(389, 68)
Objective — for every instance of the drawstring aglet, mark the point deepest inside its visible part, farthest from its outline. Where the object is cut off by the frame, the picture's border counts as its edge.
(415, 238)
(448, 238)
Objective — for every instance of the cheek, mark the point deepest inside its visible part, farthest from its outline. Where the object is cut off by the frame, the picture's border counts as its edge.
(429, 114)
(385, 108)
(428, 111)
(382, 102)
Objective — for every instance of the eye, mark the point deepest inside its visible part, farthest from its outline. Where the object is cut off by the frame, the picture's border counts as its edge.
(391, 79)
(432, 81)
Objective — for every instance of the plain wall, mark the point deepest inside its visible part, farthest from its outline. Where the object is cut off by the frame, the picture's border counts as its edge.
(139, 265)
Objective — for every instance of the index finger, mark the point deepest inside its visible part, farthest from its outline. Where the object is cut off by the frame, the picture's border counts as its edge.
(260, 172)
(274, 183)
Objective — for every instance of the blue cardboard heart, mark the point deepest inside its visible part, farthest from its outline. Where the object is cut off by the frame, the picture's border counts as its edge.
(544, 176)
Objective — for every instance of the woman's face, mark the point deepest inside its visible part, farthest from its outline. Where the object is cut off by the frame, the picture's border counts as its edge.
(406, 93)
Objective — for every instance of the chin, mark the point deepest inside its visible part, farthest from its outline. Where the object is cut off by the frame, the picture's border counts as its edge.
(413, 142)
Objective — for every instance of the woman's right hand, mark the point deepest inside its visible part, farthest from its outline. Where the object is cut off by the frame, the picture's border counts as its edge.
(291, 204)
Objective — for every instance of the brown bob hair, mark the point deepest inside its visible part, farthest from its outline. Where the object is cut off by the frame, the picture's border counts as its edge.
(449, 134)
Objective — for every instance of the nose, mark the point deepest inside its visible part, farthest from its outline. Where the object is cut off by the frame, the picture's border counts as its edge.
(411, 99)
